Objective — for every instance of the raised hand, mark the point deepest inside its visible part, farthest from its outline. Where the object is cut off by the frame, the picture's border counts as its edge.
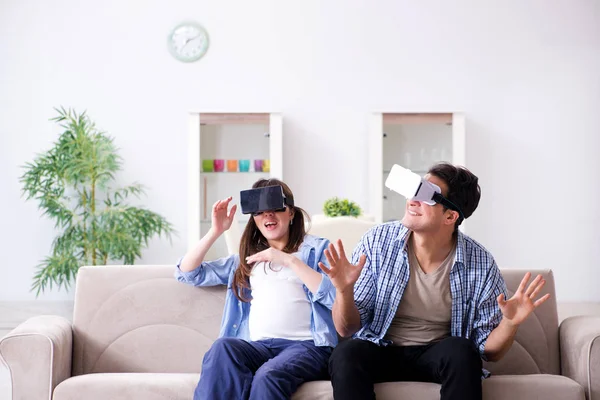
(522, 303)
(221, 220)
(342, 273)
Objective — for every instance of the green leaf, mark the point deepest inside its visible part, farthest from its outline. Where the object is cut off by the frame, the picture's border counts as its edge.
(71, 182)
(335, 207)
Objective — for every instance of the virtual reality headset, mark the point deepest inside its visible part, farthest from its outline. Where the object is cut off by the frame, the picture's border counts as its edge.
(412, 186)
(268, 198)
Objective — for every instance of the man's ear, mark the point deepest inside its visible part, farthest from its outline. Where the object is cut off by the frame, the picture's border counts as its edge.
(451, 217)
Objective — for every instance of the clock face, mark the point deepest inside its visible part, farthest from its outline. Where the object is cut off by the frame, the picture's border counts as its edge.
(188, 42)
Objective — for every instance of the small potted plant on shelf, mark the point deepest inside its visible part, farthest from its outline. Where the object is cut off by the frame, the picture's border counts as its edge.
(336, 207)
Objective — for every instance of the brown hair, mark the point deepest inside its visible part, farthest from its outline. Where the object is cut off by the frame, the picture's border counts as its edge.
(463, 188)
(253, 241)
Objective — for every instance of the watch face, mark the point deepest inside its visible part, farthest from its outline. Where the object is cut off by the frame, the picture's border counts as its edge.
(188, 42)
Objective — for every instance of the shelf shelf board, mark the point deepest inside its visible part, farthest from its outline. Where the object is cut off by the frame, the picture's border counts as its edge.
(235, 172)
(233, 118)
(417, 118)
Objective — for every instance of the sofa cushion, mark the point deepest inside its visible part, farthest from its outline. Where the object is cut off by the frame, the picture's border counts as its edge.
(527, 387)
(128, 386)
(150, 386)
(140, 319)
(505, 387)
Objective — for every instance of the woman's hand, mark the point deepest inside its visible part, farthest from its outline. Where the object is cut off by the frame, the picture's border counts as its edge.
(273, 256)
(221, 220)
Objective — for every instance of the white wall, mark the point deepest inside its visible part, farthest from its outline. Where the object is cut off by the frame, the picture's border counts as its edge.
(526, 73)
(415, 147)
(232, 141)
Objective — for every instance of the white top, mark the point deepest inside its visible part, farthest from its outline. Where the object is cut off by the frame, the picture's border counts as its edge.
(279, 307)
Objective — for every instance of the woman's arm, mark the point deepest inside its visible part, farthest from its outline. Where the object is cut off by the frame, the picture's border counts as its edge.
(311, 278)
(318, 283)
(192, 268)
(195, 256)
(308, 276)
(221, 221)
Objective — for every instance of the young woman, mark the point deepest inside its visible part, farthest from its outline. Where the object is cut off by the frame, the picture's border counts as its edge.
(277, 330)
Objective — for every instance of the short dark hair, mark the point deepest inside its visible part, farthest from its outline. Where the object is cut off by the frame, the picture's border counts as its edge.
(463, 187)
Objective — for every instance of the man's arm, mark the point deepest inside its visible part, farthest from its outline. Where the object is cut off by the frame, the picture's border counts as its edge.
(500, 340)
(346, 317)
(352, 284)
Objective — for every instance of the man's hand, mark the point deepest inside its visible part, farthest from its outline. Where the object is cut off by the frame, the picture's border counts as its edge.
(521, 305)
(342, 273)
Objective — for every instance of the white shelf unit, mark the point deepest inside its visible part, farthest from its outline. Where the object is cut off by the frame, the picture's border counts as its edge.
(416, 141)
(228, 136)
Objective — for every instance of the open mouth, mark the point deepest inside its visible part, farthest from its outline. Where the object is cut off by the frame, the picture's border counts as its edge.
(413, 213)
(270, 225)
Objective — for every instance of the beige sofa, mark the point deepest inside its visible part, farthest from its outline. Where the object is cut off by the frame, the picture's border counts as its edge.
(137, 333)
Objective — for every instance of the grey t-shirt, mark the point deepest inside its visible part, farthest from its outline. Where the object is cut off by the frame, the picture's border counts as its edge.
(425, 310)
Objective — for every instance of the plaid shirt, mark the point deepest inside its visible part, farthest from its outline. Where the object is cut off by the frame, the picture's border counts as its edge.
(475, 283)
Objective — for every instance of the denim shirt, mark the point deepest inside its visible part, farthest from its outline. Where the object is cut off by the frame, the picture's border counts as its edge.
(236, 312)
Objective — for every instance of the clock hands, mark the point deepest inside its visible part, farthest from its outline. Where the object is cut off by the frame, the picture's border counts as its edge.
(188, 42)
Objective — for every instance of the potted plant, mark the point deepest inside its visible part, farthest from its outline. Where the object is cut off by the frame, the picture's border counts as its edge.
(73, 185)
(336, 207)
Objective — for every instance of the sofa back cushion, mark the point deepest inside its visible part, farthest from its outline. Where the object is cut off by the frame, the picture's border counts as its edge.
(141, 319)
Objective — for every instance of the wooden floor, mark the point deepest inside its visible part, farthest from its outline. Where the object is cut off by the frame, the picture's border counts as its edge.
(13, 313)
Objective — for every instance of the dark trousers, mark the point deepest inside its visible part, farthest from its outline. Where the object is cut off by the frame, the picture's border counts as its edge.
(356, 365)
(272, 369)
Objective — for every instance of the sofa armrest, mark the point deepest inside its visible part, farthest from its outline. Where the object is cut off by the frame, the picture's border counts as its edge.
(580, 352)
(38, 356)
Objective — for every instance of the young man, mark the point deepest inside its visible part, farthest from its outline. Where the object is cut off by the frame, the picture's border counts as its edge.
(423, 301)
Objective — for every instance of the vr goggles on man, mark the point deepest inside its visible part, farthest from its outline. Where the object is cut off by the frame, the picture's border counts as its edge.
(413, 187)
(267, 198)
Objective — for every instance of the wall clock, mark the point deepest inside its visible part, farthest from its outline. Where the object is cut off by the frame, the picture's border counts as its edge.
(188, 41)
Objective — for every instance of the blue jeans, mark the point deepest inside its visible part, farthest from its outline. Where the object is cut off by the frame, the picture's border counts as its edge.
(266, 369)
